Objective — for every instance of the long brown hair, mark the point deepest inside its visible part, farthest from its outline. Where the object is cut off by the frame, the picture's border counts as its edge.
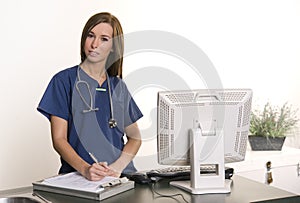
(114, 61)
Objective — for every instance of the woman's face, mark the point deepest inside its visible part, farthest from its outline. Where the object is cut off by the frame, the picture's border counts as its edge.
(99, 43)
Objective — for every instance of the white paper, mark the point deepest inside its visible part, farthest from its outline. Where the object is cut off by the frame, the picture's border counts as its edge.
(76, 181)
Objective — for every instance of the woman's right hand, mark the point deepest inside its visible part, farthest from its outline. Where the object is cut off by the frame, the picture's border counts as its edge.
(98, 171)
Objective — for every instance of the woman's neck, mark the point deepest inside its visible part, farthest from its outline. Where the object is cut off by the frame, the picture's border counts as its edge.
(96, 72)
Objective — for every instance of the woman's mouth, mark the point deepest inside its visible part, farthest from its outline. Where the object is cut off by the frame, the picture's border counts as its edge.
(93, 53)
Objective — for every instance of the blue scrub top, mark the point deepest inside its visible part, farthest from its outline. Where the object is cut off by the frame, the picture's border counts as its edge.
(90, 132)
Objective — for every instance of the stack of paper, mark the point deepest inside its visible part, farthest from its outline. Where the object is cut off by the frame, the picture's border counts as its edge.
(74, 184)
(76, 181)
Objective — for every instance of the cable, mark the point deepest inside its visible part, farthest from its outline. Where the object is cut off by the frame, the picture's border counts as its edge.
(165, 195)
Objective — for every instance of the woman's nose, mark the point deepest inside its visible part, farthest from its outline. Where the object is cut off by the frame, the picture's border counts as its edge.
(95, 43)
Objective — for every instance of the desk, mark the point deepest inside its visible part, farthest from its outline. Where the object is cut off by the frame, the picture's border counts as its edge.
(243, 191)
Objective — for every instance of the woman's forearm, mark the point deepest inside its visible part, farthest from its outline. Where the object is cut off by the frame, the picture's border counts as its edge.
(130, 149)
(68, 154)
(63, 148)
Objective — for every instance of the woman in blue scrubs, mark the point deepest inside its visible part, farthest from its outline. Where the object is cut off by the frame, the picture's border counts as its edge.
(90, 108)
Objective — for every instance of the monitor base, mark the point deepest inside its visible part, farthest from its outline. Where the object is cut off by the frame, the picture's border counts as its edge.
(186, 185)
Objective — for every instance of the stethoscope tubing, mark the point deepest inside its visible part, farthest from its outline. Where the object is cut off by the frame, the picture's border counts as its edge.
(91, 107)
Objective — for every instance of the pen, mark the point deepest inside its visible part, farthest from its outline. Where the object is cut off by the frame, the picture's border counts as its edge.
(94, 158)
(97, 162)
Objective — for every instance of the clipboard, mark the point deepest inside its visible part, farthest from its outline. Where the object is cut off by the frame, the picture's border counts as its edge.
(106, 189)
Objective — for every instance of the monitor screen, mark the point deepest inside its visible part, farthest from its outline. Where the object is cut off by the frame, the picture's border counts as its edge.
(225, 111)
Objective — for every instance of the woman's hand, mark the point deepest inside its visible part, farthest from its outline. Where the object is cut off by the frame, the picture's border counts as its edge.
(117, 169)
(98, 171)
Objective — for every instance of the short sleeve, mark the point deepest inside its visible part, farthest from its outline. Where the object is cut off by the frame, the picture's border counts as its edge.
(56, 98)
(134, 113)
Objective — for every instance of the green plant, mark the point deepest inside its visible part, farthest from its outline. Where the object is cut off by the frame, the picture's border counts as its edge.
(273, 121)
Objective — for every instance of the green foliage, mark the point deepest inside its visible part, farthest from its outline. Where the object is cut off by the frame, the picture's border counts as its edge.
(273, 121)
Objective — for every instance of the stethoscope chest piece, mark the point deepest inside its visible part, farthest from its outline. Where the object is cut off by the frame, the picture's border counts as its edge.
(112, 123)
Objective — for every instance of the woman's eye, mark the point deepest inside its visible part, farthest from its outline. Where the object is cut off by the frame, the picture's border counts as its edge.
(90, 35)
(104, 39)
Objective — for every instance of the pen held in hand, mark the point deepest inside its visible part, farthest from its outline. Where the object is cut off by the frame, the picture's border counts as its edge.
(104, 164)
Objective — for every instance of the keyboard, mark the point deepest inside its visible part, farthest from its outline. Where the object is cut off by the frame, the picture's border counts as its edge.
(183, 172)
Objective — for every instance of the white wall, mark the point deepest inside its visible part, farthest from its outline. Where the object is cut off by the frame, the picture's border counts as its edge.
(252, 44)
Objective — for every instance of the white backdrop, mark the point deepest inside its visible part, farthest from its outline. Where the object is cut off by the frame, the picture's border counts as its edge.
(252, 44)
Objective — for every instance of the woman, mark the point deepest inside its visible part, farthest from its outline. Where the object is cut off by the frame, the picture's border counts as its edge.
(90, 108)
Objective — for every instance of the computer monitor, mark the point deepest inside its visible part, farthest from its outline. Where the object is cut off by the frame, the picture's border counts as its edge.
(203, 127)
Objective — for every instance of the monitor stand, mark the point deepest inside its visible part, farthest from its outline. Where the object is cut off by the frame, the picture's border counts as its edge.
(205, 183)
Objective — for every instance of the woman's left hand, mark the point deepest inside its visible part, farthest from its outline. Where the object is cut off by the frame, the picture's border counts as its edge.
(116, 169)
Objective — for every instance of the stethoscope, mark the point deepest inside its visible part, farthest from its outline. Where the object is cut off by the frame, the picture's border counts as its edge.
(91, 107)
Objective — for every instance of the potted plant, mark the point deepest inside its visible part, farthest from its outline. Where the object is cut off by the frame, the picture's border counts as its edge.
(268, 128)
